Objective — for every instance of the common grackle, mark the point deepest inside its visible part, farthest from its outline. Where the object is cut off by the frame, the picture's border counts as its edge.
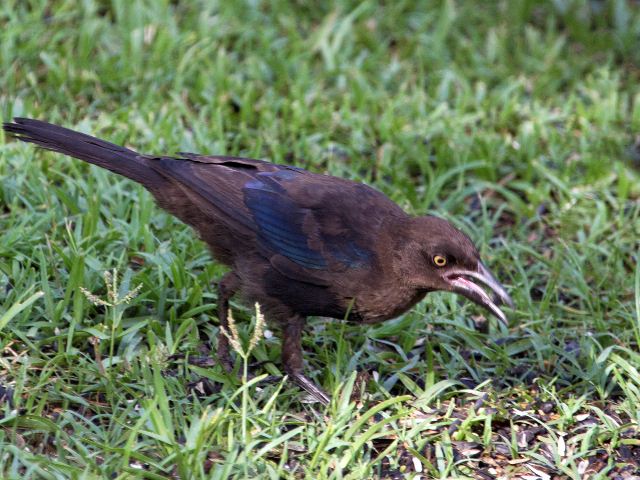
(298, 243)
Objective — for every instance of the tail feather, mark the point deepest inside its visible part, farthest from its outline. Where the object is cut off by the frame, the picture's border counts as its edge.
(113, 157)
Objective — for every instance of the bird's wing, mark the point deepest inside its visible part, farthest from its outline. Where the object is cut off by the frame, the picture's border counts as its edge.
(214, 185)
(308, 225)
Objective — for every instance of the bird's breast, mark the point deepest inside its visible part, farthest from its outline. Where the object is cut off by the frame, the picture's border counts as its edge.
(386, 303)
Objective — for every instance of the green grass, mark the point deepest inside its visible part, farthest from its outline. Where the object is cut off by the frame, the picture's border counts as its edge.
(517, 120)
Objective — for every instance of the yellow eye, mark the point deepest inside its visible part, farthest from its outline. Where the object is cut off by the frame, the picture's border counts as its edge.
(439, 260)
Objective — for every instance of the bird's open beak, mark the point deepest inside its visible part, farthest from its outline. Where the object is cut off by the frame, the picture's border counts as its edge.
(461, 282)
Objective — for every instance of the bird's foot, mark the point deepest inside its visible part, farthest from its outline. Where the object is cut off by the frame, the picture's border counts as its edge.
(197, 360)
(271, 379)
(224, 359)
(206, 361)
(227, 363)
(316, 392)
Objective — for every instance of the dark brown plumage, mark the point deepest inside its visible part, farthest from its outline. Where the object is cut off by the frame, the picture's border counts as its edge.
(298, 243)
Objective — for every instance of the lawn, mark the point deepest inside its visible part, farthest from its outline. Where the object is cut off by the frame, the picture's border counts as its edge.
(518, 120)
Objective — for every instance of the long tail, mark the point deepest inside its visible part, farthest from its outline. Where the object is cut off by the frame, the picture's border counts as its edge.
(113, 157)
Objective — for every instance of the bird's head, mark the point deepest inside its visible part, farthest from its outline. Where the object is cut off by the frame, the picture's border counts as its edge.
(438, 256)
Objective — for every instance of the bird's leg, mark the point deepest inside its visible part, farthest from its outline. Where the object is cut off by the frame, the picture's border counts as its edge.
(228, 285)
(292, 359)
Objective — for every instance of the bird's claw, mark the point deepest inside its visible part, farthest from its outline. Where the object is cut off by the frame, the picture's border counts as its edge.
(197, 360)
(225, 360)
(272, 379)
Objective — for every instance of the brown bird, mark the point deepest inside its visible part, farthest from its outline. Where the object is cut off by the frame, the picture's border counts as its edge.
(298, 243)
